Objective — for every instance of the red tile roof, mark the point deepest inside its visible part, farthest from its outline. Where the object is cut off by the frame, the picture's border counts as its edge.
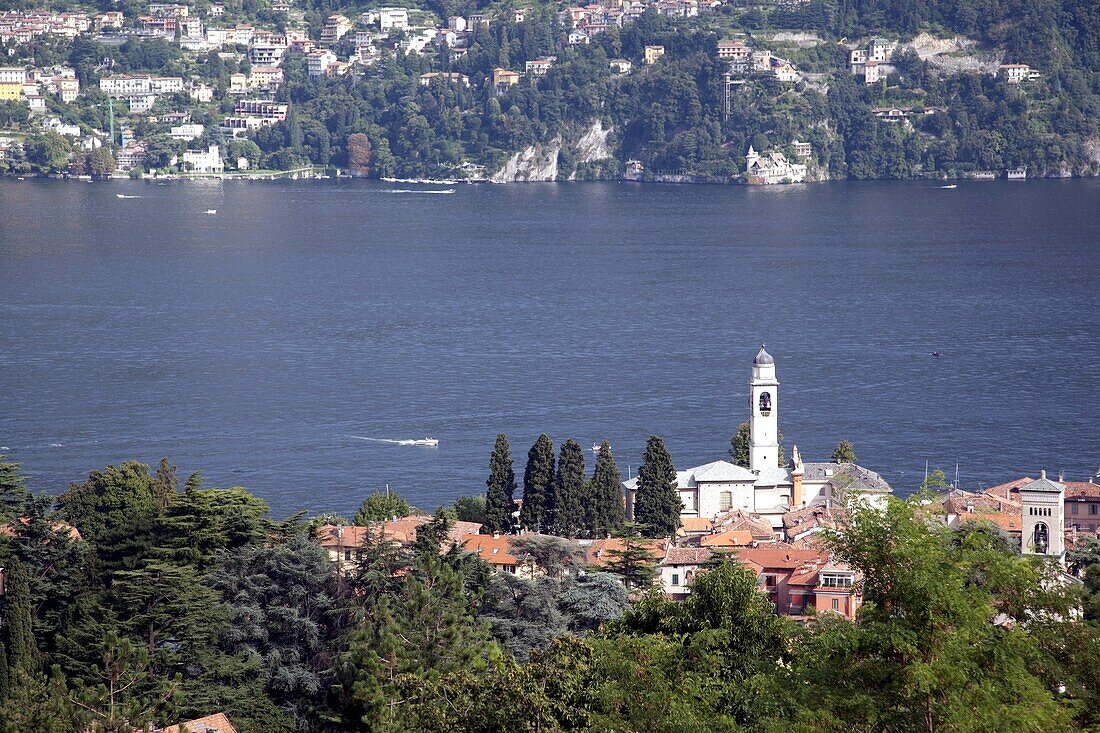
(779, 557)
(686, 556)
(216, 723)
(600, 553)
(730, 538)
(493, 549)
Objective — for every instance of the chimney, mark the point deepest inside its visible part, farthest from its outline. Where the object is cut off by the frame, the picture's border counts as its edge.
(1043, 474)
(339, 531)
(496, 535)
(1061, 476)
(969, 507)
(796, 490)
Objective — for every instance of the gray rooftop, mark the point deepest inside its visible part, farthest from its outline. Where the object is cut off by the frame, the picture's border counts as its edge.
(848, 476)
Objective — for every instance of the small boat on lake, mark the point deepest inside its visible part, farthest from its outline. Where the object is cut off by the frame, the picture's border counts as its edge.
(937, 353)
(430, 442)
(211, 211)
(950, 185)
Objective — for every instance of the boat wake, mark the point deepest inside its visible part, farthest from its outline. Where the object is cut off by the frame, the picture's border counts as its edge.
(416, 190)
(430, 442)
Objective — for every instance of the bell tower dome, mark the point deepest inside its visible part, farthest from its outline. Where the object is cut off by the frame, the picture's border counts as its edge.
(764, 412)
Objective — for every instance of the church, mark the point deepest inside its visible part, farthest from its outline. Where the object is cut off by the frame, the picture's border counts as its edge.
(765, 488)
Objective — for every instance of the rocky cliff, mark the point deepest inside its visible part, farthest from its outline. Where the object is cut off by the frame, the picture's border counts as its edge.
(559, 159)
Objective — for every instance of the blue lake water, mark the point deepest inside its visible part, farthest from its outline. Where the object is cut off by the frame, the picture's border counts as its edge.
(255, 343)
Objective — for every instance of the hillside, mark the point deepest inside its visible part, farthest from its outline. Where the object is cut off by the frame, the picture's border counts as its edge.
(940, 97)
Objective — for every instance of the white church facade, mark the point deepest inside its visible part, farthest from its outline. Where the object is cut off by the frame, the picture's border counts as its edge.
(764, 487)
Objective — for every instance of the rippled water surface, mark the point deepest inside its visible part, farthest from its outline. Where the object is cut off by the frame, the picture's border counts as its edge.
(256, 343)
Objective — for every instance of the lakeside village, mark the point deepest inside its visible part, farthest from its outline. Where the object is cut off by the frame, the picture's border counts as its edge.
(777, 519)
(147, 105)
(772, 517)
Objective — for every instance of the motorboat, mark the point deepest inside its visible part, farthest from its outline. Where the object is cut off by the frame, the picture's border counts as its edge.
(430, 442)
(211, 211)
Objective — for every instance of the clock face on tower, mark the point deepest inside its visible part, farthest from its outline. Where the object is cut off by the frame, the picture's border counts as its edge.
(765, 403)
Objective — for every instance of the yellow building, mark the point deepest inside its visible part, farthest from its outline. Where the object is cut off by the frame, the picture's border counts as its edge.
(11, 92)
(505, 78)
(652, 53)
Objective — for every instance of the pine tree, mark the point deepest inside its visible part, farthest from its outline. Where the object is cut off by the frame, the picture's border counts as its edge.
(657, 504)
(18, 631)
(739, 445)
(537, 480)
(634, 563)
(566, 505)
(499, 498)
(13, 490)
(845, 452)
(604, 506)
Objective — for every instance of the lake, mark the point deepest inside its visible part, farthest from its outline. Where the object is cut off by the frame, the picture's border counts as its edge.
(263, 343)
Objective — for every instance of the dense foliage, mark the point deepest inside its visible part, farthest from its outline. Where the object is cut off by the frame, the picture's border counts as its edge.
(215, 606)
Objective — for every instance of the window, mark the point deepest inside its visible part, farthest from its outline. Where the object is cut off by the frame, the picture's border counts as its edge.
(836, 580)
(1092, 509)
(1072, 508)
(765, 403)
(675, 579)
(836, 604)
(347, 555)
(769, 581)
(725, 500)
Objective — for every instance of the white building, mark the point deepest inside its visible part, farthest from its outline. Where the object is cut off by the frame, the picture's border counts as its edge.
(186, 132)
(1017, 73)
(765, 488)
(319, 62)
(1042, 504)
(394, 19)
(772, 167)
(266, 54)
(209, 161)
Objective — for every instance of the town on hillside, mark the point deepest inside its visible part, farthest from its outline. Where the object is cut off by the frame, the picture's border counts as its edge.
(284, 88)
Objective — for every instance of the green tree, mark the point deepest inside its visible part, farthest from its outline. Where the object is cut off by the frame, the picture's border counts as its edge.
(564, 514)
(411, 640)
(501, 488)
(48, 152)
(172, 610)
(921, 657)
(39, 704)
(470, 509)
(101, 162)
(18, 628)
(634, 561)
(844, 452)
(380, 506)
(657, 504)
(538, 477)
(122, 693)
(739, 445)
(13, 490)
(199, 523)
(604, 509)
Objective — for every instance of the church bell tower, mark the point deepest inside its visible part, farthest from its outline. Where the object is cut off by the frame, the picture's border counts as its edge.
(764, 408)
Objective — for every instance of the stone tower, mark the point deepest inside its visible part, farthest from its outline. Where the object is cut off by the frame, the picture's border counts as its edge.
(1042, 504)
(764, 408)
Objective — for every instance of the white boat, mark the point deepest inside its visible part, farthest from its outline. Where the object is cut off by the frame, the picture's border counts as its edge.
(211, 211)
(595, 447)
(950, 185)
(432, 442)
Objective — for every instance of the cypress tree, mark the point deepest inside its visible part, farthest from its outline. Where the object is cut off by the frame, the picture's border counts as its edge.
(739, 445)
(13, 491)
(18, 631)
(566, 506)
(657, 504)
(604, 506)
(499, 497)
(537, 479)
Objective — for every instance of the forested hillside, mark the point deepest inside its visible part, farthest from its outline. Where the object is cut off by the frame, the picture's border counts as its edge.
(672, 116)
